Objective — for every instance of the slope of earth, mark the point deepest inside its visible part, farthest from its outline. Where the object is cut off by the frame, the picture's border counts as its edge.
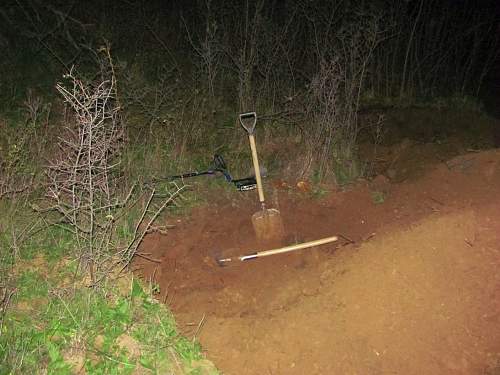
(412, 287)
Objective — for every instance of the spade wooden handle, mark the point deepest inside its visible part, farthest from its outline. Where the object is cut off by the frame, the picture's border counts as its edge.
(256, 169)
(287, 249)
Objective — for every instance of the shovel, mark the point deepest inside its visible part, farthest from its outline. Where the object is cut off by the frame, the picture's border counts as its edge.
(267, 222)
(260, 254)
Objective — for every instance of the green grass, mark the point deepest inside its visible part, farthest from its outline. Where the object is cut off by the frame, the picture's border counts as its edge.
(60, 328)
(55, 324)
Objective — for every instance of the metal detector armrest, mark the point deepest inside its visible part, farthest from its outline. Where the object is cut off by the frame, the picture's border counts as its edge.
(245, 184)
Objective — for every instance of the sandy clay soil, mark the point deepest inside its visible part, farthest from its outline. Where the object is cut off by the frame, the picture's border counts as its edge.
(411, 287)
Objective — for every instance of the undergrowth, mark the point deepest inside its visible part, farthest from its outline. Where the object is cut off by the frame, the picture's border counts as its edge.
(54, 323)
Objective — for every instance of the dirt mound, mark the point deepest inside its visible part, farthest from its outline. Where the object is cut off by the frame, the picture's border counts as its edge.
(417, 302)
(413, 287)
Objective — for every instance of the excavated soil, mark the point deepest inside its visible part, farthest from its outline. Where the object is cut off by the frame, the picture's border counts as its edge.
(411, 287)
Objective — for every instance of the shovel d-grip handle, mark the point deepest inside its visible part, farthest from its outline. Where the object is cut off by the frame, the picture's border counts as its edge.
(248, 121)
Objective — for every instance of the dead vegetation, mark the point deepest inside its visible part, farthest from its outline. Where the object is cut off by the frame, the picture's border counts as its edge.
(85, 194)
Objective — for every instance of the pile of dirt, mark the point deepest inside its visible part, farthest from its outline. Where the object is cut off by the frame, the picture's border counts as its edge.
(412, 288)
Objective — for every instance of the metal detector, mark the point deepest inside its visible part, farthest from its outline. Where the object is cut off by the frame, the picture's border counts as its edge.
(218, 167)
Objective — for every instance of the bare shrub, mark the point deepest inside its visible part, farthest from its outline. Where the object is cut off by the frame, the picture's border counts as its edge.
(207, 47)
(241, 43)
(6, 294)
(436, 49)
(21, 146)
(84, 181)
(154, 101)
(167, 117)
(15, 175)
(335, 93)
(12, 179)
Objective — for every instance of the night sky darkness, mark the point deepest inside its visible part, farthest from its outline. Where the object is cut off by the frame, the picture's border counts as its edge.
(424, 48)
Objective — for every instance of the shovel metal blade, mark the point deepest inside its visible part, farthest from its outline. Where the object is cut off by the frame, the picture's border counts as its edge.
(268, 225)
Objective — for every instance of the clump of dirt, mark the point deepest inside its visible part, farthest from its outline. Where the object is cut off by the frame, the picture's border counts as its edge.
(412, 287)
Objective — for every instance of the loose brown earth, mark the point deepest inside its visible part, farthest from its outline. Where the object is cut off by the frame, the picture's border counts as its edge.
(412, 287)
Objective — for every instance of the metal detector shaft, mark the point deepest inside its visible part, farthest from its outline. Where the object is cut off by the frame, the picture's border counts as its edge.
(190, 174)
(281, 250)
(218, 165)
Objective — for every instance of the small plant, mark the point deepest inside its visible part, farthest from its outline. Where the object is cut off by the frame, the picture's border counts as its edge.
(378, 197)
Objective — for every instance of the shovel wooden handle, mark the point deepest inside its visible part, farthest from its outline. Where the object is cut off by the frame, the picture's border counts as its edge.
(256, 168)
(287, 249)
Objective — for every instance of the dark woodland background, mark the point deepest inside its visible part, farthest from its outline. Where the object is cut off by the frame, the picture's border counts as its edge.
(188, 67)
(256, 50)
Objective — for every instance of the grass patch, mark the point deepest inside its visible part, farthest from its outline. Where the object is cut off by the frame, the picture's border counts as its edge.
(64, 328)
(55, 324)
